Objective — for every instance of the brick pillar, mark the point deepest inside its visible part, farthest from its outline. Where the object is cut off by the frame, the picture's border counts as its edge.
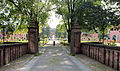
(32, 40)
(75, 39)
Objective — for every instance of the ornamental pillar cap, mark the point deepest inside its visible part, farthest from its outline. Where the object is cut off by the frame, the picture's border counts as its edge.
(33, 23)
(76, 25)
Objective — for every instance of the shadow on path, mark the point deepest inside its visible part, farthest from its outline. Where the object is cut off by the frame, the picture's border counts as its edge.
(54, 58)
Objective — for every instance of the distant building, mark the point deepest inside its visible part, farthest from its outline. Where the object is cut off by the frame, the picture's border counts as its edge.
(13, 37)
(114, 34)
(89, 37)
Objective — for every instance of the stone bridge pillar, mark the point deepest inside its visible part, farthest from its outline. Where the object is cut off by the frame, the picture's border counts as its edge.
(33, 39)
(75, 39)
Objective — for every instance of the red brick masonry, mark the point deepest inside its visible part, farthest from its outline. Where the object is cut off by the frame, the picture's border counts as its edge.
(108, 55)
(10, 52)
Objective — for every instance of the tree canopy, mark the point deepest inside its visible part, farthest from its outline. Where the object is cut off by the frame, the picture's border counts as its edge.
(20, 13)
(96, 15)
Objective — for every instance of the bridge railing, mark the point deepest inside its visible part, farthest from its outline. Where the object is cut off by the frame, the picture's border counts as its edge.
(10, 52)
(108, 55)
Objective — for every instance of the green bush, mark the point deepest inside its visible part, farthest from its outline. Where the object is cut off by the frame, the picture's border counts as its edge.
(112, 44)
(62, 42)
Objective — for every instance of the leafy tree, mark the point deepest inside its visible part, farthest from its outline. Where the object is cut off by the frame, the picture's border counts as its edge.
(66, 9)
(94, 16)
(25, 11)
(105, 18)
(19, 14)
(60, 31)
(45, 31)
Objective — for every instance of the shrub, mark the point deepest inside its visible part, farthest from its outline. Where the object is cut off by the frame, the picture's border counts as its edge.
(112, 44)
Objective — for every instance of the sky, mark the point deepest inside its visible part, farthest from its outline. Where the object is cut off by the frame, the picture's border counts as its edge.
(53, 20)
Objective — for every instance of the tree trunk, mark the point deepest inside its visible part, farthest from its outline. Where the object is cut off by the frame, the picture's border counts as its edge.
(69, 36)
(103, 36)
(38, 31)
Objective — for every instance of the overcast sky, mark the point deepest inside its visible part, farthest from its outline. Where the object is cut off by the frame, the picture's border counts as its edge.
(53, 20)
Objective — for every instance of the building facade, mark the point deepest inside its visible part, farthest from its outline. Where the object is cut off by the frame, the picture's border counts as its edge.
(113, 36)
(13, 37)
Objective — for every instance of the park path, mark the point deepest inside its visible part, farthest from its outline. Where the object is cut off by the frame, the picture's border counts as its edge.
(54, 58)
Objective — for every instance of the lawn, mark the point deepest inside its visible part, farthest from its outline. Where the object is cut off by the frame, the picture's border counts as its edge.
(62, 42)
(15, 41)
(87, 41)
(115, 44)
(19, 41)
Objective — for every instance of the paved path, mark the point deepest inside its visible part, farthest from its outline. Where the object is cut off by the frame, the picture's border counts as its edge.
(54, 58)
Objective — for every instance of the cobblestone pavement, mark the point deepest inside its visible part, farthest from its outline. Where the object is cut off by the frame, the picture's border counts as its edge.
(54, 58)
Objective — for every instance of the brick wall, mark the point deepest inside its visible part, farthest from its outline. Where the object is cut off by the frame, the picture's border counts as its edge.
(108, 55)
(10, 52)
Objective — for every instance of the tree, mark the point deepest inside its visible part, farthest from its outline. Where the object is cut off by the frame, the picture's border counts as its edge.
(105, 18)
(60, 31)
(45, 31)
(66, 8)
(26, 11)
(95, 16)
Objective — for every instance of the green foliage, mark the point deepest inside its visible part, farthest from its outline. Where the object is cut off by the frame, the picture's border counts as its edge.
(90, 14)
(62, 42)
(38, 54)
(60, 31)
(114, 44)
(97, 15)
(45, 31)
(18, 14)
(69, 54)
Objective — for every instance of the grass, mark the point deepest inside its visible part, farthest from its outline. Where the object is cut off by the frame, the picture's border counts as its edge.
(19, 41)
(118, 44)
(62, 42)
(38, 54)
(87, 41)
(69, 54)
(43, 41)
(114, 44)
(15, 41)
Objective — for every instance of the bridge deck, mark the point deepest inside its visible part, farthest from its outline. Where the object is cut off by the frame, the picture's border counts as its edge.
(54, 58)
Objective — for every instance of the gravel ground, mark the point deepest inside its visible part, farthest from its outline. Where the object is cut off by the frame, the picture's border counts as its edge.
(91, 63)
(54, 58)
(17, 64)
(20, 62)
